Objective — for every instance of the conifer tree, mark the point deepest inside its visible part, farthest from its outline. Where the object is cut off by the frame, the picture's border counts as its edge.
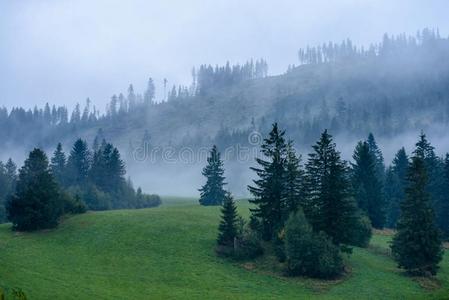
(269, 188)
(366, 185)
(36, 203)
(78, 163)
(11, 173)
(212, 193)
(393, 197)
(329, 206)
(378, 157)
(227, 230)
(108, 170)
(396, 179)
(417, 246)
(58, 165)
(294, 192)
(436, 182)
(149, 93)
(445, 205)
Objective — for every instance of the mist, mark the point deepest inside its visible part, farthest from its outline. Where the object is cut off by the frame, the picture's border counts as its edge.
(65, 51)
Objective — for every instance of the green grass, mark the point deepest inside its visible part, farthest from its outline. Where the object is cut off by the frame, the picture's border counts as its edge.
(167, 253)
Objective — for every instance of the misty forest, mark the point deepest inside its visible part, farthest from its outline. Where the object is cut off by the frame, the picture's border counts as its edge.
(329, 179)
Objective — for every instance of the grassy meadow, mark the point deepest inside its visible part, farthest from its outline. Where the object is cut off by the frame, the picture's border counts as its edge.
(168, 253)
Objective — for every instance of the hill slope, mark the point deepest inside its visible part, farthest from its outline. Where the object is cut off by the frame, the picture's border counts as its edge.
(167, 252)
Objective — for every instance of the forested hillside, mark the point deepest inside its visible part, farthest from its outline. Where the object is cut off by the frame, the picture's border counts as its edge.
(398, 85)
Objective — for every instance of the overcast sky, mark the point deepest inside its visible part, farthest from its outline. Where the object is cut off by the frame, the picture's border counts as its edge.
(63, 51)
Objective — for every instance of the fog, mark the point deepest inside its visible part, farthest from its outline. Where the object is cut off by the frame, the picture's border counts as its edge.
(64, 51)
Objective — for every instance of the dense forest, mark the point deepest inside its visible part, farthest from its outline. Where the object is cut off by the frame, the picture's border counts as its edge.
(398, 85)
(310, 214)
(85, 179)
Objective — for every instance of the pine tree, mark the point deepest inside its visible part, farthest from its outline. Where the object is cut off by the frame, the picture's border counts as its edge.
(436, 182)
(11, 172)
(269, 188)
(329, 206)
(212, 193)
(227, 230)
(396, 179)
(58, 165)
(378, 157)
(366, 185)
(294, 192)
(36, 203)
(108, 170)
(417, 246)
(149, 93)
(445, 205)
(393, 197)
(78, 164)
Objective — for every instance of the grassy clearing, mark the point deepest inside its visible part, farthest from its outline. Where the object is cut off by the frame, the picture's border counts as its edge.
(167, 252)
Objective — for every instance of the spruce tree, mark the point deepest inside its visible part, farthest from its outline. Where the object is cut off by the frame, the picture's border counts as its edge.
(445, 204)
(294, 192)
(417, 245)
(3, 192)
(396, 179)
(269, 188)
(58, 165)
(212, 193)
(378, 157)
(367, 186)
(78, 164)
(436, 179)
(36, 203)
(329, 205)
(227, 230)
(393, 197)
(11, 172)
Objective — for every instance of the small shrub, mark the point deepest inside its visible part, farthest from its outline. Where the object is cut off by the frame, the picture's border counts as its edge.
(95, 198)
(146, 201)
(247, 245)
(73, 204)
(362, 232)
(309, 253)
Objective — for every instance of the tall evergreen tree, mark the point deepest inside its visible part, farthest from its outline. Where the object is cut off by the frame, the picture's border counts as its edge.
(396, 179)
(393, 198)
(445, 204)
(227, 230)
(294, 192)
(11, 173)
(417, 246)
(378, 157)
(366, 185)
(78, 163)
(212, 193)
(269, 188)
(149, 93)
(36, 203)
(58, 165)
(436, 179)
(329, 206)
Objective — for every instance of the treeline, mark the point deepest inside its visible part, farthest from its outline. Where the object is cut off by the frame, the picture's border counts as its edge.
(313, 213)
(209, 78)
(390, 45)
(400, 87)
(87, 178)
